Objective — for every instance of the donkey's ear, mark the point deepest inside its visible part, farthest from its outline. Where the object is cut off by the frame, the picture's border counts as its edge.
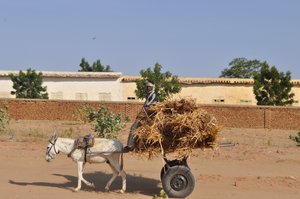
(54, 135)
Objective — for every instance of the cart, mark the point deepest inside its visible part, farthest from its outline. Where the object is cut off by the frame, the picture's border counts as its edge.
(177, 178)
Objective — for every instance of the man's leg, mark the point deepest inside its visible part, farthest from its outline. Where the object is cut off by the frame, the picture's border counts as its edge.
(130, 140)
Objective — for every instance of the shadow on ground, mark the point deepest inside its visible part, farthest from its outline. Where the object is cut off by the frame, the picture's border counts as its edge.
(135, 184)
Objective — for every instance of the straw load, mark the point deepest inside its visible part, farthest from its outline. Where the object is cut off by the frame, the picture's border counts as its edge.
(175, 126)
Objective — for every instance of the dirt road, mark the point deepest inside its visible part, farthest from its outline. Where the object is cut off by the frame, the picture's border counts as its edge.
(262, 164)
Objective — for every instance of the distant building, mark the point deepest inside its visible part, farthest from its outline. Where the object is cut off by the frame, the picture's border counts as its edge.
(92, 86)
(113, 86)
(212, 90)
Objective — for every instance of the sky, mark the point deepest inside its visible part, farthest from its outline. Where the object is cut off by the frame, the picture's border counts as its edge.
(189, 38)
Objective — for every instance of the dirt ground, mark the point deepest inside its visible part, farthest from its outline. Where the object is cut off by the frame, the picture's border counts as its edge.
(262, 164)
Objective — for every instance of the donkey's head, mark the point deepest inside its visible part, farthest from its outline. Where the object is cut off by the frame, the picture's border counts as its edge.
(51, 150)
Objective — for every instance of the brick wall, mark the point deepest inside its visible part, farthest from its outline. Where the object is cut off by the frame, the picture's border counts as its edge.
(227, 115)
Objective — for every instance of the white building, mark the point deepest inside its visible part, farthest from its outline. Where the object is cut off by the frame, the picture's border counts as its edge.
(92, 86)
(113, 86)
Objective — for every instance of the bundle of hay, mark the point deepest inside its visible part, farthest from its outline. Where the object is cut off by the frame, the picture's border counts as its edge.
(174, 126)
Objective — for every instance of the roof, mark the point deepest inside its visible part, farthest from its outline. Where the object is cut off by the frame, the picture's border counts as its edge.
(195, 80)
(115, 75)
(104, 75)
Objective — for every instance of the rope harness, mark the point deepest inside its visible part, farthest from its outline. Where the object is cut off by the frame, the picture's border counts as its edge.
(52, 145)
(83, 143)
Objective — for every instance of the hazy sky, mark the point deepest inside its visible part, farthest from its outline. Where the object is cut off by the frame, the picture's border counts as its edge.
(190, 38)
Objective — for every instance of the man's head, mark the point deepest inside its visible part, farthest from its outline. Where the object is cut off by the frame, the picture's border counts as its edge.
(150, 86)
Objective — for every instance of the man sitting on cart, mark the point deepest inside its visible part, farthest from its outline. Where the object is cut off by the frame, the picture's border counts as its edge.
(150, 99)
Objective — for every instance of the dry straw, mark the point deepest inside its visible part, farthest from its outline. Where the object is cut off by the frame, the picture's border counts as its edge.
(175, 126)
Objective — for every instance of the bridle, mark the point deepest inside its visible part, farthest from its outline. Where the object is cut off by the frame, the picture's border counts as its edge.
(52, 145)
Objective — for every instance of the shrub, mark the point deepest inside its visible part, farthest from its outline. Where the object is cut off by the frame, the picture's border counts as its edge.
(105, 123)
(4, 119)
(296, 138)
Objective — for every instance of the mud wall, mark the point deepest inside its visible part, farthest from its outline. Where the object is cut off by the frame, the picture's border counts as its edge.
(227, 115)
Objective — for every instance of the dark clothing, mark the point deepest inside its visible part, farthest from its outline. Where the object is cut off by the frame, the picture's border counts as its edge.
(151, 98)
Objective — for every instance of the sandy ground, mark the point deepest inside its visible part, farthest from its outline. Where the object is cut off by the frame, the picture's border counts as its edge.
(262, 164)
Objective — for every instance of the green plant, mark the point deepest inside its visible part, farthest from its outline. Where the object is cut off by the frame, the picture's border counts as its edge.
(105, 123)
(29, 85)
(96, 67)
(162, 194)
(273, 88)
(4, 119)
(296, 138)
(241, 68)
(165, 83)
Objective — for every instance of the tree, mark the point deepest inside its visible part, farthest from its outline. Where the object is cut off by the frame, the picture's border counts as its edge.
(273, 88)
(165, 83)
(96, 67)
(241, 68)
(29, 85)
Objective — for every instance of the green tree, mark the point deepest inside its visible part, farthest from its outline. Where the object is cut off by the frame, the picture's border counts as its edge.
(241, 68)
(29, 85)
(273, 88)
(96, 66)
(165, 83)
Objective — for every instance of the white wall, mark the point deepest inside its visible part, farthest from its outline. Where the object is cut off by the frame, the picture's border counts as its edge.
(6, 86)
(88, 87)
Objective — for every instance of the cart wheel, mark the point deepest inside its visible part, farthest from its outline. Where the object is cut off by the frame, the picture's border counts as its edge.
(178, 181)
(163, 171)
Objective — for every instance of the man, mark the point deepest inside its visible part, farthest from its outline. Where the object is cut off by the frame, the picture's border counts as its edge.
(150, 99)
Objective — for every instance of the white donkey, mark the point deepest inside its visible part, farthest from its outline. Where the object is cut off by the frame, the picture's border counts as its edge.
(104, 150)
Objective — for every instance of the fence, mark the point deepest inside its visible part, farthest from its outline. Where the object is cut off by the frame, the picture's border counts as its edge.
(227, 115)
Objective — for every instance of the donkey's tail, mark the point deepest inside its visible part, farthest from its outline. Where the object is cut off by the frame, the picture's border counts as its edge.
(121, 162)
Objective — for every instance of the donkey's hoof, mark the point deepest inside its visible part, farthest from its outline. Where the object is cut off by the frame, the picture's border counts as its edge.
(91, 185)
(122, 191)
(76, 189)
(106, 189)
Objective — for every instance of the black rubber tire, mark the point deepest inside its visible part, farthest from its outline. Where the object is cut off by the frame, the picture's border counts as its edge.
(163, 171)
(178, 181)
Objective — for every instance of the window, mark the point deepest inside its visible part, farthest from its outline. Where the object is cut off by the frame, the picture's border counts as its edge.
(56, 95)
(242, 101)
(81, 96)
(4, 94)
(219, 101)
(130, 98)
(105, 96)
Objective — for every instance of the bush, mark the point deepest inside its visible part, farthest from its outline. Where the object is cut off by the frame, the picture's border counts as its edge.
(105, 123)
(296, 138)
(4, 119)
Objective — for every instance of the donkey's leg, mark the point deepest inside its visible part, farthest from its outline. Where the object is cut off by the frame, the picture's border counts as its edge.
(90, 184)
(80, 166)
(115, 174)
(122, 173)
(79, 174)
(117, 168)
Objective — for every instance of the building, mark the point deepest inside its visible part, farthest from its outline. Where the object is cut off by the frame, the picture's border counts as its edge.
(92, 86)
(212, 90)
(113, 86)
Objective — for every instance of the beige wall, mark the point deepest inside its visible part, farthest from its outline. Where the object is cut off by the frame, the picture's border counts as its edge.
(6, 87)
(296, 91)
(91, 89)
(128, 94)
(219, 94)
(214, 93)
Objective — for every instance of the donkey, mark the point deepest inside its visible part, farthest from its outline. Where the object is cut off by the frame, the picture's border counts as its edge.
(104, 150)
